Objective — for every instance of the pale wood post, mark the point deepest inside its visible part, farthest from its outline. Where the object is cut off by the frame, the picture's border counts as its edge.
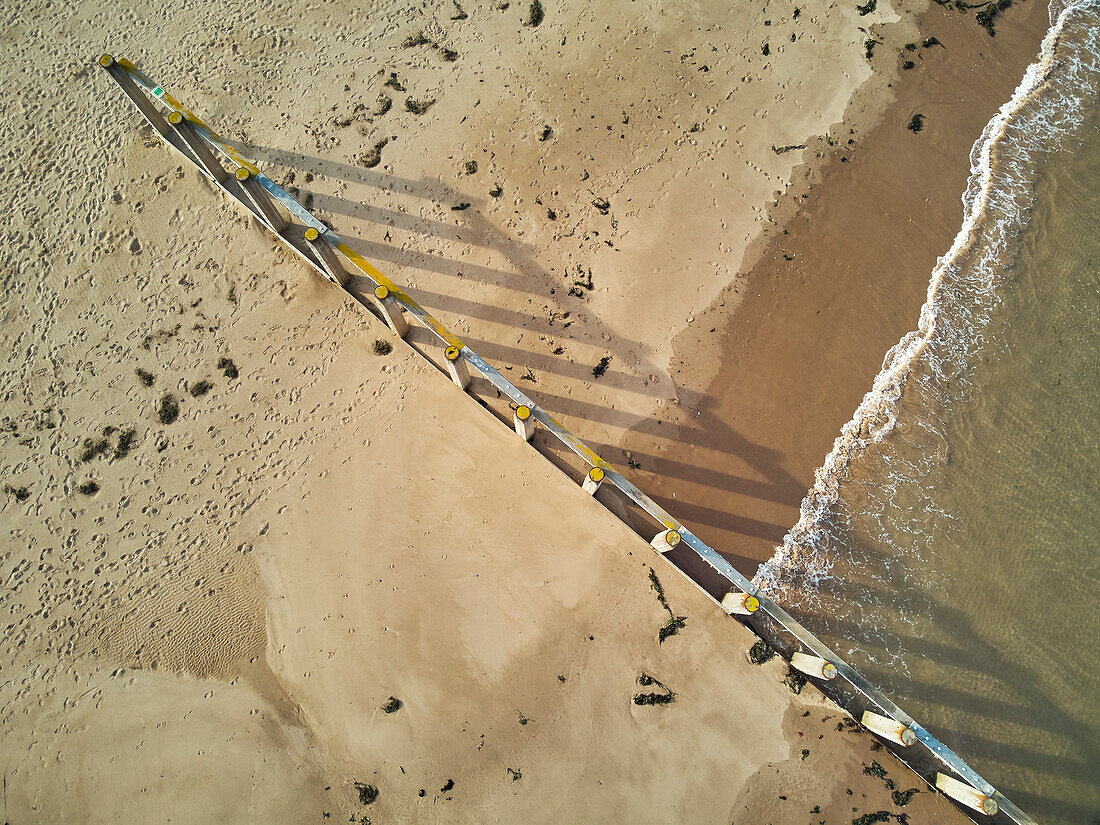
(456, 366)
(393, 311)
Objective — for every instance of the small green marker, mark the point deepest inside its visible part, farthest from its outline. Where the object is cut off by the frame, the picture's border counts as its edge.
(158, 92)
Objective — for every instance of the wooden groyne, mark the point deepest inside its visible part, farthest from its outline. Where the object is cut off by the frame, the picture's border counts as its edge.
(324, 251)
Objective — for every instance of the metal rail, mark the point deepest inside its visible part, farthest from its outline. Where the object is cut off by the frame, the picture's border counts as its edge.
(185, 132)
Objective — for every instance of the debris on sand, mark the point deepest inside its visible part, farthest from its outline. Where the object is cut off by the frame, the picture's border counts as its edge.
(418, 107)
(535, 14)
(373, 156)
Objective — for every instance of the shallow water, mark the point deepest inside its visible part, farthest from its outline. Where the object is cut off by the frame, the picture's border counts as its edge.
(949, 548)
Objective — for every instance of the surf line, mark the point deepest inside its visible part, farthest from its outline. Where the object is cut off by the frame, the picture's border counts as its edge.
(875, 417)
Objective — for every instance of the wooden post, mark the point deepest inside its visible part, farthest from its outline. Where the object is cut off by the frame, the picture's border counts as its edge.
(456, 366)
(961, 792)
(327, 257)
(813, 666)
(593, 480)
(665, 541)
(148, 110)
(199, 148)
(524, 423)
(394, 314)
(741, 604)
(261, 201)
(888, 729)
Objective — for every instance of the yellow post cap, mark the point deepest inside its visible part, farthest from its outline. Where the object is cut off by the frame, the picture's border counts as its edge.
(242, 174)
(523, 412)
(452, 353)
(751, 604)
(381, 292)
(175, 118)
(672, 537)
(312, 234)
(106, 61)
(828, 670)
(596, 474)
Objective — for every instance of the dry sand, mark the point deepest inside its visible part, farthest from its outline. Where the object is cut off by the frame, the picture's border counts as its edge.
(211, 634)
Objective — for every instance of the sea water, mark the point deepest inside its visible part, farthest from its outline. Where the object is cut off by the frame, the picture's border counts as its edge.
(950, 548)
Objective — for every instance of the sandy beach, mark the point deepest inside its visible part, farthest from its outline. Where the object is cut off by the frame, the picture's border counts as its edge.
(807, 330)
(255, 571)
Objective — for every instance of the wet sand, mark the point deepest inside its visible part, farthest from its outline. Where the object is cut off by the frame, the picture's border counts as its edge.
(800, 340)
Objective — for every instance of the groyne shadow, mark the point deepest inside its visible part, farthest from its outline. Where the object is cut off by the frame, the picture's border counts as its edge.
(557, 383)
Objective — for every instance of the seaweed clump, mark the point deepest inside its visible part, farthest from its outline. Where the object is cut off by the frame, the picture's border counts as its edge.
(601, 367)
(654, 699)
(987, 17)
(228, 368)
(670, 628)
(867, 8)
(418, 107)
(18, 493)
(916, 123)
(665, 697)
(168, 409)
(87, 488)
(414, 40)
(95, 447)
(125, 443)
(875, 769)
(675, 623)
(373, 156)
(761, 652)
(535, 14)
(794, 681)
(901, 798)
(870, 819)
(367, 793)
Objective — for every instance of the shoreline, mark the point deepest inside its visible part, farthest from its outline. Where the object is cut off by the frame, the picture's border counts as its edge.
(826, 300)
(249, 545)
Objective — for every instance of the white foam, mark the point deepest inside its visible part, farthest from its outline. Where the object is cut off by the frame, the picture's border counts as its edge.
(965, 285)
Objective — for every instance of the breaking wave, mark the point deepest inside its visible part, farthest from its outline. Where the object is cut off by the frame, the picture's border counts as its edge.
(930, 365)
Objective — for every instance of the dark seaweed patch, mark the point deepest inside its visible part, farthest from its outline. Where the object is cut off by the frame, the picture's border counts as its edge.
(418, 107)
(87, 488)
(228, 368)
(373, 156)
(535, 14)
(367, 793)
(761, 652)
(168, 408)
